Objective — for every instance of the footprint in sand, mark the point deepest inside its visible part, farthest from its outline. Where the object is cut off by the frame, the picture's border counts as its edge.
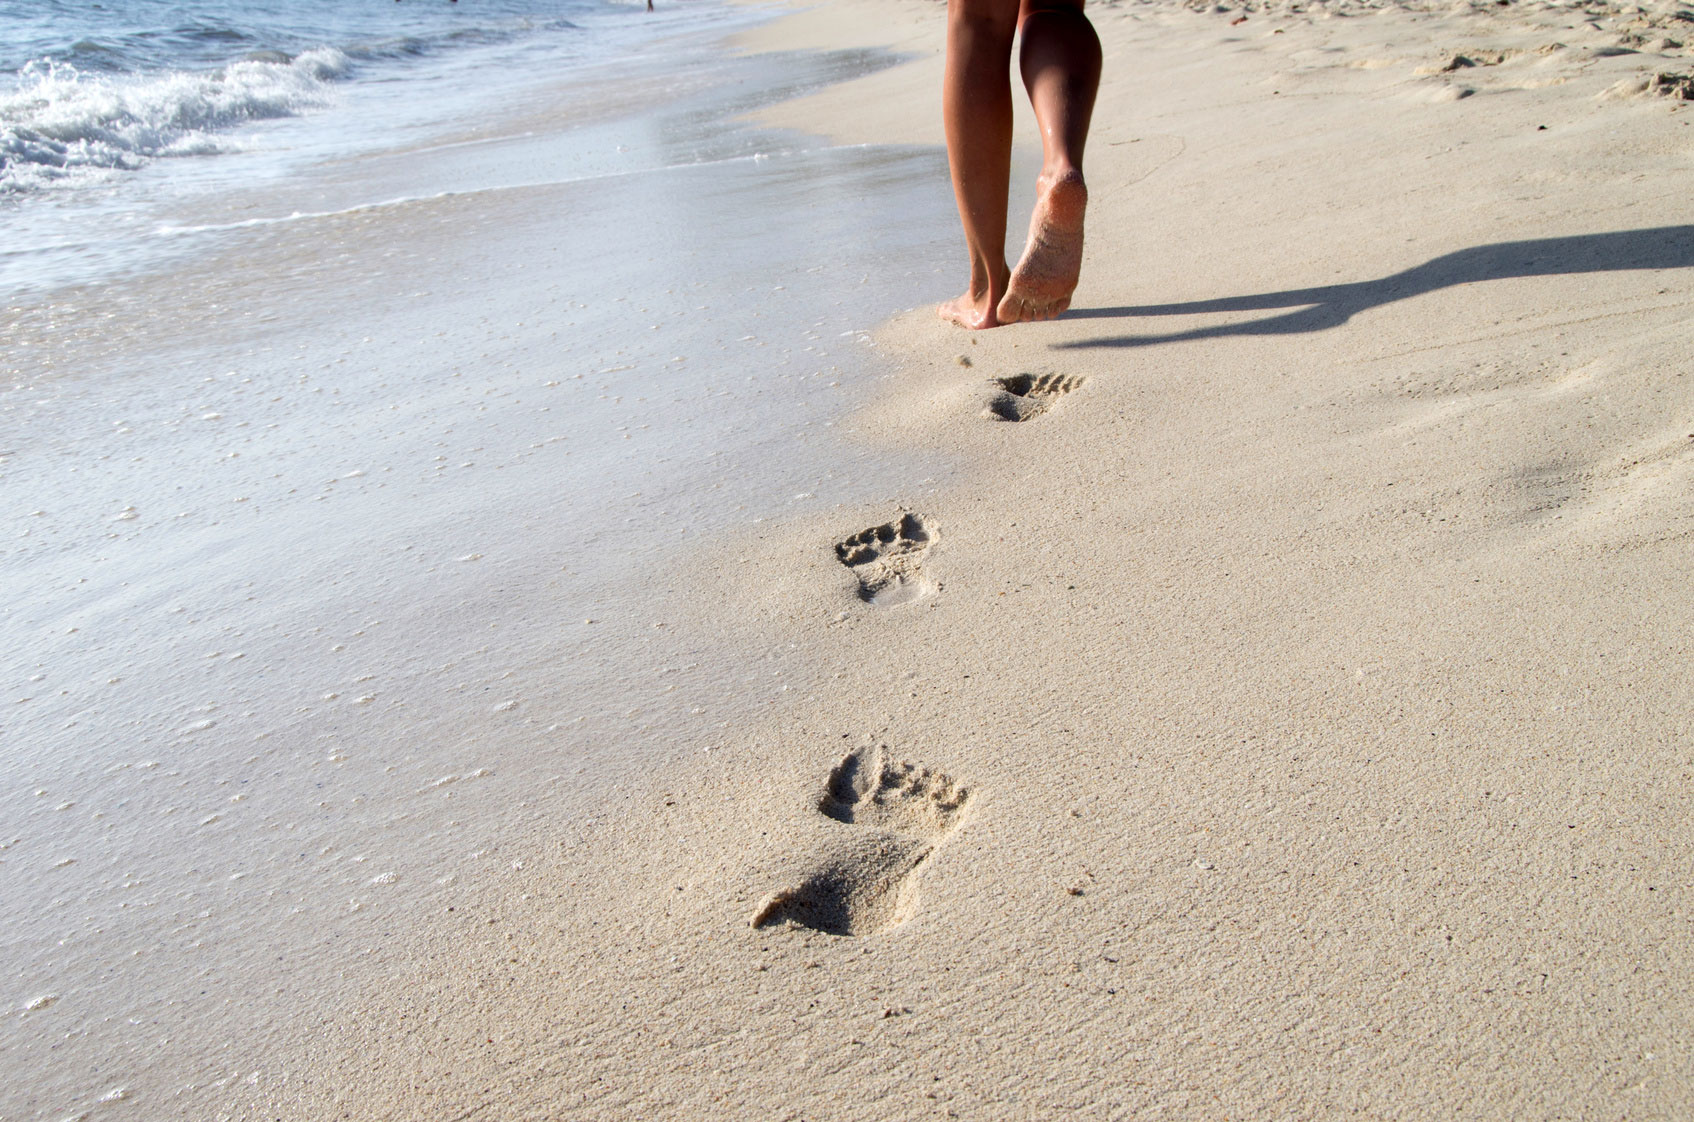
(887, 559)
(893, 816)
(1023, 396)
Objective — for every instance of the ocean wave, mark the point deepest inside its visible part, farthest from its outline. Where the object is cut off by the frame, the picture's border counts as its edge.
(415, 46)
(61, 123)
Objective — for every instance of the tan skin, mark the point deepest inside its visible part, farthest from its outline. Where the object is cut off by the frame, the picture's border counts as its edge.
(1059, 59)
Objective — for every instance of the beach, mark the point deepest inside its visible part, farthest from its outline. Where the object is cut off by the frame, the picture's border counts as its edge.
(1261, 692)
(338, 501)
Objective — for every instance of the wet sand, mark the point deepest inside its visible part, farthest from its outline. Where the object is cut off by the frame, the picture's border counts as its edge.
(336, 562)
(1278, 706)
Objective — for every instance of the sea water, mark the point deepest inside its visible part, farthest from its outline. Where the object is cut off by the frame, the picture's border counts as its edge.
(340, 451)
(114, 112)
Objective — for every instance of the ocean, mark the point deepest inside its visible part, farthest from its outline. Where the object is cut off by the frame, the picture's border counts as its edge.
(116, 116)
(367, 371)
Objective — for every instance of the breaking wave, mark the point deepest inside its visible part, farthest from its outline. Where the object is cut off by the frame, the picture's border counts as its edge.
(62, 123)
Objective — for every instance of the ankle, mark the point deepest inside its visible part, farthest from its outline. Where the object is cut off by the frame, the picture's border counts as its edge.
(989, 287)
(1066, 172)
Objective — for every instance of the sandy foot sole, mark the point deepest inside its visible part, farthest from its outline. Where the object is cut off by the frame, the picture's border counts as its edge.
(1046, 275)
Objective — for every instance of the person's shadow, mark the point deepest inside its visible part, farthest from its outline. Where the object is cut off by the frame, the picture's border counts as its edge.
(1667, 247)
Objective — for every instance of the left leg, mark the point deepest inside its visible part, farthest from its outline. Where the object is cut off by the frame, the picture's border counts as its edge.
(977, 109)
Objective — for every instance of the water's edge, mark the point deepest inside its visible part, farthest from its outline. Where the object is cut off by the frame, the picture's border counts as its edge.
(335, 569)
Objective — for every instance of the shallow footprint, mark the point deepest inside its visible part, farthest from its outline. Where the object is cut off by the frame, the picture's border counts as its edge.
(1643, 495)
(887, 559)
(1023, 396)
(894, 815)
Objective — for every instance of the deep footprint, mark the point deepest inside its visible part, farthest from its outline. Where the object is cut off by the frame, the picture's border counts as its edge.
(895, 816)
(887, 559)
(1023, 396)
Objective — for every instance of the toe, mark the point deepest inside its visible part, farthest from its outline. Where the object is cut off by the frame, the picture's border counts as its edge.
(1011, 310)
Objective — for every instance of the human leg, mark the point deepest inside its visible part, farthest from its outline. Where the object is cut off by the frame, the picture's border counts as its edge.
(1059, 59)
(977, 107)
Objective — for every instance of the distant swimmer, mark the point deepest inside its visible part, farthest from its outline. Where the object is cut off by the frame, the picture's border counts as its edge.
(1059, 58)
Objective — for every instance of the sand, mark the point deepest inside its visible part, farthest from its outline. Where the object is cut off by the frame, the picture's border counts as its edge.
(1280, 706)
(332, 570)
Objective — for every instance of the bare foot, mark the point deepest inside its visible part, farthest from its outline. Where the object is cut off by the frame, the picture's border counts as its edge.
(972, 312)
(1044, 279)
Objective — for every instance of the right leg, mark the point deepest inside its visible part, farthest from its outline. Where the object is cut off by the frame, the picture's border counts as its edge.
(977, 105)
(1060, 61)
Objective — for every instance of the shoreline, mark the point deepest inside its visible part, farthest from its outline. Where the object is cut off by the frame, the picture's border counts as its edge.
(336, 586)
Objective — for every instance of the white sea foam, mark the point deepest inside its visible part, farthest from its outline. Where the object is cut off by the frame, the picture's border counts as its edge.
(62, 125)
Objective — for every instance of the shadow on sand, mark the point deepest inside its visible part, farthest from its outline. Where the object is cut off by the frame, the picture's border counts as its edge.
(1667, 247)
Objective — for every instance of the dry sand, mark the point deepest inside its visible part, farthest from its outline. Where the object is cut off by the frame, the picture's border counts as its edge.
(1281, 711)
